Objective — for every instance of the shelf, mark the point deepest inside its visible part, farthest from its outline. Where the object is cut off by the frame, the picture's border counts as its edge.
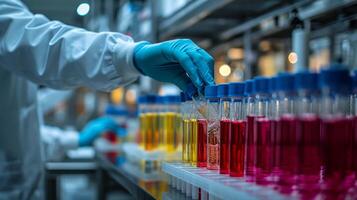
(215, 184)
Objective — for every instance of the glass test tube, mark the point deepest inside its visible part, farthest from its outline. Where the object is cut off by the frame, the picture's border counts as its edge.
(308, 132)
(185, 129)
(212, 127)
(262, 130)
(201, 133)
(237, 133)
(336, 129)
(225, 127)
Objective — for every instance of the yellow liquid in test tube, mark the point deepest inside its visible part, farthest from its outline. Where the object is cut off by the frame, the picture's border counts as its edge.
(193, 141)
(152, 131)
(162, 130)
(185, 139)
(169, 130)
(178, 132)
(142, 130)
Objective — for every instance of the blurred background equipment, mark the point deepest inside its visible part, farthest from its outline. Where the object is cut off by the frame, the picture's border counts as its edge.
(246, 38)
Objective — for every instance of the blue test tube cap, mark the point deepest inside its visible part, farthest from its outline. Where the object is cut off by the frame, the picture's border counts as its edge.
(272, 84)
(248, 89)
(306, 80)
(151, 98)
(336, 78)
(211, 91)
(171, 99)
(222, 90)
(141, 100)
(261, 85)
(236, 89)
(285, 82)
(116, 110)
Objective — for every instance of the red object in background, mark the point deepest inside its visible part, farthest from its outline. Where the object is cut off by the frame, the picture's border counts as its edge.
(250, 146)
(225, 127)
(201, 143)
(110, 136)
(264, 147)
(237, 148)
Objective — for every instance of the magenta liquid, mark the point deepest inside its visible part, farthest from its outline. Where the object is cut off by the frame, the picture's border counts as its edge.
(237, 148)
(309, 154)
(250, 146)
(337, 140)
(225, 126)
(264, 149)
(287, 140)
(201, 143)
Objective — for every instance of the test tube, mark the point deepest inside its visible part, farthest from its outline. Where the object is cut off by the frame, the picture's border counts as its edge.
(262, 130)
(225, 127)
(212, 127)
(202, 140)
(151, 124)
(237, 134)
(161, 111)
(286, 130)
(250, 116)
(336, 128)
(308, 132)
(193, 135)
(185, 128)
(142, 129)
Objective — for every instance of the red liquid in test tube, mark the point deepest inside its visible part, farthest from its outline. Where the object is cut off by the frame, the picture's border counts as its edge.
(309, 154)
(287, 139)
(225, 126)
(250, 146)
(264, 147)
(237, 148)
(201, 143)
(337, 140)
(212, 145)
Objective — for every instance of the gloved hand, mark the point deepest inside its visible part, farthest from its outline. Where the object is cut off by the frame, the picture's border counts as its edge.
(95, 128)
(180, 62)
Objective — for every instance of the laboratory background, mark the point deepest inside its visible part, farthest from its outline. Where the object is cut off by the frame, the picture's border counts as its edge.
(279, 123)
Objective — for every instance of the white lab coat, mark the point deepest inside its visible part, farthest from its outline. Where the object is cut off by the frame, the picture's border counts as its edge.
(34, 50)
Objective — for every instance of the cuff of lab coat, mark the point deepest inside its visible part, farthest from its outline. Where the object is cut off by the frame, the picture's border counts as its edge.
(70, 140)
(123, 59)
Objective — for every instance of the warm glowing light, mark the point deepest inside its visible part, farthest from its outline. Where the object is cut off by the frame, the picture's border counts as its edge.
(225, 70)
(83, 9)
(292, 57)
(235, 53)
(130, 96)
(117, 95)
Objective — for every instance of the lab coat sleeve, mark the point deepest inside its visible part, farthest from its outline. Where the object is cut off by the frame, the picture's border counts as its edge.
(60, 56)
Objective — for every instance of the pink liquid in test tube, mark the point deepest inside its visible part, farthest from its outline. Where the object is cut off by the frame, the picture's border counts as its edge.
(212, 145)
(201, 143)
(250, 146)
(237, 148)
(308, 132)
(225, 126)
(337, 141)
(263, 141)
(288, 160)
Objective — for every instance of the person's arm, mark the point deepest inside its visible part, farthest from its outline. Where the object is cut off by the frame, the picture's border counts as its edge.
(60, 56)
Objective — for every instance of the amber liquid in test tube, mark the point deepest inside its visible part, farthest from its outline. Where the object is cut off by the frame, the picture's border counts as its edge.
(193, 141)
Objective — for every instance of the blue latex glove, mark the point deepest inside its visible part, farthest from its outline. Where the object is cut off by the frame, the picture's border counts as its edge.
(95, 128)
(180, 62)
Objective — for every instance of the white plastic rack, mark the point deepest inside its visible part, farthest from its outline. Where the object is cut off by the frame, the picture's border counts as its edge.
(189, 180)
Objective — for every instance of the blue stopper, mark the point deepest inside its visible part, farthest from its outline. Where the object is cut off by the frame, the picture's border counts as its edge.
(285, 82)
(236, 89)
(182, 97)
(248, 89)
(261, 85)
(336, 79)
(306, 81)
(141, 99)
(222, 90)
(151, 98)
(172, 99)
(211, 91)
(272, 84)
(115, 110)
